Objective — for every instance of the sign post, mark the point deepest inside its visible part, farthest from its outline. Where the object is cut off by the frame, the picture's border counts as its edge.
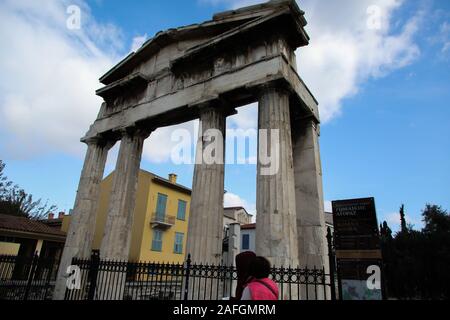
(358, 252)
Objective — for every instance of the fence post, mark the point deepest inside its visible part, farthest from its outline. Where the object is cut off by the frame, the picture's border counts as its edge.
(186, 284)
(33, 268)
(93, 273)
(50, 264)
(332, 264)
(68, 293)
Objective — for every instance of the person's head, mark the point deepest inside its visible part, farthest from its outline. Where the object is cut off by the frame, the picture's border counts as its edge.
(260, 268)
(243, 262)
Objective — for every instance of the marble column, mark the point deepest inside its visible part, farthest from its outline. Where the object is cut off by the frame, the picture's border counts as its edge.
(117, 235)
(234, 248)
(119, 222)
(276, 229)
(309, 194)
(82, 225)
(205, 230)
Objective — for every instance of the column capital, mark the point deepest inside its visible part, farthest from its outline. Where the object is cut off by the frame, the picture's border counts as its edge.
(99, 141)
(134, 131)
(308, 120)
(219, 105)
(277, 86)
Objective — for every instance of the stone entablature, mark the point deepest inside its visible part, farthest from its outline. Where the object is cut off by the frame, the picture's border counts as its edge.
(177, 74)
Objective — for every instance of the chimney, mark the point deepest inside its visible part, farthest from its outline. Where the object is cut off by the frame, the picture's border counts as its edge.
(51, 215)
(60, 215)
(173, 177)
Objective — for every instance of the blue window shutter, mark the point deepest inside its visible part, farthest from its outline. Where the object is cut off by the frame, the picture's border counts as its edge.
(157, 240)
(178, 245)
(161, 205)
(181, 214)
(245, 241)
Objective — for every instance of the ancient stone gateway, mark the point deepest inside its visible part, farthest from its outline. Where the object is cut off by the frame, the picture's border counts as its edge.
(206, 71)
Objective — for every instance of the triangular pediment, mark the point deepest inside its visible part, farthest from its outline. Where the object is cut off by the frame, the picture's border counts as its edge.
(177, 42)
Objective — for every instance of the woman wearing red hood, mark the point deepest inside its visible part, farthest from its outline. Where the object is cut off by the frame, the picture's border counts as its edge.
(259, 286)
(243, 262)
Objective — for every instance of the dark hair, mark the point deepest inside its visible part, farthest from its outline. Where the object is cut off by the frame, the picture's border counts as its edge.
(260, 268)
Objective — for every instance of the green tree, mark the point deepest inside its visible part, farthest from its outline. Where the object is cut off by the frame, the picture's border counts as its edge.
(5, 184)
(436, 233)
(403, 227)
(416, 262)
(15, 201)
(436, 219)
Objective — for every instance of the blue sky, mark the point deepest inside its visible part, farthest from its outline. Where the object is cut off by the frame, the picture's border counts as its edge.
(384, 95)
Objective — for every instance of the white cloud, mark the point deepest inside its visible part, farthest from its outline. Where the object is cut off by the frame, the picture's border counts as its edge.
(49, 78)
(233, 200)
(158, 147)
(346, 52)
(444, 37)
(246, 118)
(393, 220)
(49, 75)
(137, 42)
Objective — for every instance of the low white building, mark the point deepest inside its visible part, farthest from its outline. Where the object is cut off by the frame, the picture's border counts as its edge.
(240, 237)
(247, 242)
(233, 219)
(236, 215)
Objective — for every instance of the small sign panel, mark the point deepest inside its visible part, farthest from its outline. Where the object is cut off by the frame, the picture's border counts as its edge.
(357, 244)
(355, 224)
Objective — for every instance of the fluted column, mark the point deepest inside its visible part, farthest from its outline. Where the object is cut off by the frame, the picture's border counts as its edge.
(276, 230)
(117, 236)
(119, 222)
(205, 231)
(309, 194)
(82, 225)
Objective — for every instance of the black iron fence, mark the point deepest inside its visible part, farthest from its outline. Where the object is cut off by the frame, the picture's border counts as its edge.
(96, 279)
(27, 278)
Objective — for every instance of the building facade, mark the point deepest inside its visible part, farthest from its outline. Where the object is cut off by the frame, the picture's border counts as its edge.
(247, 238)
(160, 221)
(236, 215)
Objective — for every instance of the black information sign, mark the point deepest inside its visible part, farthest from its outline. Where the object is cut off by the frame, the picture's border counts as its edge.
(355, 224)
(358, 253)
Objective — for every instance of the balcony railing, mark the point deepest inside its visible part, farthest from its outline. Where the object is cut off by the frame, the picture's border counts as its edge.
(162, 221)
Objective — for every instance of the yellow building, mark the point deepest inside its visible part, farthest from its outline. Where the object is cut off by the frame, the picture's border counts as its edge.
(160, 218)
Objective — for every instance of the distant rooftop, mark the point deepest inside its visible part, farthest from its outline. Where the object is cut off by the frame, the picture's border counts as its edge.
(23, 224)
(248, 226)
(237, 208)
(165, 181)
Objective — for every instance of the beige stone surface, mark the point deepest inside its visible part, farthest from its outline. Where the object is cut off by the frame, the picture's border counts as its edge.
(117, 236)
(81, 229)
(309, 194)
(205, 231)
(276, 231)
